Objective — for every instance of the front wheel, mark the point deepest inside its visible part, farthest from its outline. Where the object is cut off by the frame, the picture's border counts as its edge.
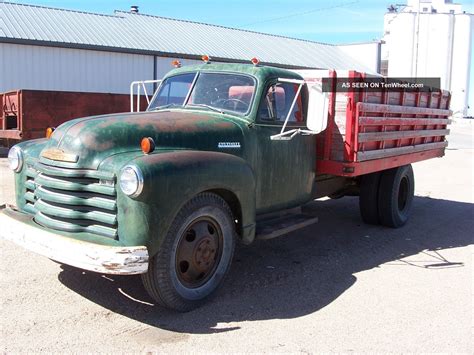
(195, 256)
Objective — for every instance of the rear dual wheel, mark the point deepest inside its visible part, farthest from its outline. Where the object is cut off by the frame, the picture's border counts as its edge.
(195, 256)
(368, 198)
(386, 197)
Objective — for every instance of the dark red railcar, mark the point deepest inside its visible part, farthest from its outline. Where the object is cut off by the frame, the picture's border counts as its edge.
(26, 114)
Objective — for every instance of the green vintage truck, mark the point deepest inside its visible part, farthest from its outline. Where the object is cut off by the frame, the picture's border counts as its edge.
(220, 152)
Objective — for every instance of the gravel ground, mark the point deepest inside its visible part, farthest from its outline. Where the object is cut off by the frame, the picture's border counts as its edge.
(337, 286)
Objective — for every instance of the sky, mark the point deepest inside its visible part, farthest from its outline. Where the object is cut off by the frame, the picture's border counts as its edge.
(330, 21)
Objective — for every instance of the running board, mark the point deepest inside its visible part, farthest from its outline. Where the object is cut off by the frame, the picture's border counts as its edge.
(277, 226)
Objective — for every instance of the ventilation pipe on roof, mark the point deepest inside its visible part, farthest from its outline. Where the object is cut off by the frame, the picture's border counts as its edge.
(134, 9)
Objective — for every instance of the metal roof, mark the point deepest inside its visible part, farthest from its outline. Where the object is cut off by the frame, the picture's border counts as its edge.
(140, 33)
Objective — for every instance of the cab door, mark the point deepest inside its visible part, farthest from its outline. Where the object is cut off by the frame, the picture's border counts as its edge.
(286, 168)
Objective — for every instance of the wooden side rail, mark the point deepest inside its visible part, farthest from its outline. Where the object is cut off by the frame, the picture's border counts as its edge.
(379, 136)
(395, 121)
(391, 152)
(402, 110)
(398, 130)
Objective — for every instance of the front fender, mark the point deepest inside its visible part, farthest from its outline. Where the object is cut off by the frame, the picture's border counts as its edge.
(173, 178)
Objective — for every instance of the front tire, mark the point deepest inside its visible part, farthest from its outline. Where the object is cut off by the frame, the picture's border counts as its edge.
(195, 256)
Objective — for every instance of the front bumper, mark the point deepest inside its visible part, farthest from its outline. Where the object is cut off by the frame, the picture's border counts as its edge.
(19, 228)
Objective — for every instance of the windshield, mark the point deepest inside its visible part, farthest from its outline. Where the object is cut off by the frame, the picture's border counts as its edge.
(213, 91)
(173, 91)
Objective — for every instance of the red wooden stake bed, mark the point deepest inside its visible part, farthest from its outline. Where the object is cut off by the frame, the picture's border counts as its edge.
(372, 131)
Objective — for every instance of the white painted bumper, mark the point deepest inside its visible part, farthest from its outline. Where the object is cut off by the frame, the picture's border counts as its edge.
(17, 227)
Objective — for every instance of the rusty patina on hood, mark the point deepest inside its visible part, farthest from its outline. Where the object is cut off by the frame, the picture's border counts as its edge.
(93, 139)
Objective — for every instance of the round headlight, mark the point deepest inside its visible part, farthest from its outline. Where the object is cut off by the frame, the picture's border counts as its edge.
(15, 159)
(131, 181)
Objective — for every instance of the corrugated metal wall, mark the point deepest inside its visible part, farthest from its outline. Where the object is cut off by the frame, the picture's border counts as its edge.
(66, 69)
(49, 68)
(163, 65)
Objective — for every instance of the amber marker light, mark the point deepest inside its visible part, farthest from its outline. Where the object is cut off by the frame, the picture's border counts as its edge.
(49, 132)
(148, 145)
(176, 63)
(255, 61)
(205, 58)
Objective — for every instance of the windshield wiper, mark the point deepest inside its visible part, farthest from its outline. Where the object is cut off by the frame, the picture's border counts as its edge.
(206, 106)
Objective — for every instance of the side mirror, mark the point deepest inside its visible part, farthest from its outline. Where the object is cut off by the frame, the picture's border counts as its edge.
(318, 105)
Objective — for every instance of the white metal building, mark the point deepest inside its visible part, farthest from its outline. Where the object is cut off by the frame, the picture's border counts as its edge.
(433, 38)
(56, 49)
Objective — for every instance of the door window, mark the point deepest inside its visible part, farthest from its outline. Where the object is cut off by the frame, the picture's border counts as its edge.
(277, 102)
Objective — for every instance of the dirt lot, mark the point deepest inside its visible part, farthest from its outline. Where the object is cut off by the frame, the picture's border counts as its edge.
(338, 286)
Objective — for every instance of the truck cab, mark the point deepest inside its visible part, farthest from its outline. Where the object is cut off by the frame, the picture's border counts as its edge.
(257, 100)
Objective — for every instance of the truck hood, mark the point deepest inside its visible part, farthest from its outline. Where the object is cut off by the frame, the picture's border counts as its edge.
(93, 139)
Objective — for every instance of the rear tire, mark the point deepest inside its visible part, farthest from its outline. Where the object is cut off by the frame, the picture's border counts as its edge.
(195, 255)
(369, 198)
(396, 191)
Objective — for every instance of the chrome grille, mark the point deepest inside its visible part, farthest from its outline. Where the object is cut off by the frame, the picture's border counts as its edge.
(72, 200)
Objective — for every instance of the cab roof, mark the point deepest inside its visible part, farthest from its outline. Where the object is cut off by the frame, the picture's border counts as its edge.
(261, 72)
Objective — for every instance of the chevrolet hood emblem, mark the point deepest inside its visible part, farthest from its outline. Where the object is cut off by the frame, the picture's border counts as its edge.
(60, 155)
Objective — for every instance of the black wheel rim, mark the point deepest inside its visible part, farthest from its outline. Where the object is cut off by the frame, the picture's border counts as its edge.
(199, 252)
(403, 194)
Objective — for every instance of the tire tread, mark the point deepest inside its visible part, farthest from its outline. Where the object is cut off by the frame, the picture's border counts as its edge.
(388, 196)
